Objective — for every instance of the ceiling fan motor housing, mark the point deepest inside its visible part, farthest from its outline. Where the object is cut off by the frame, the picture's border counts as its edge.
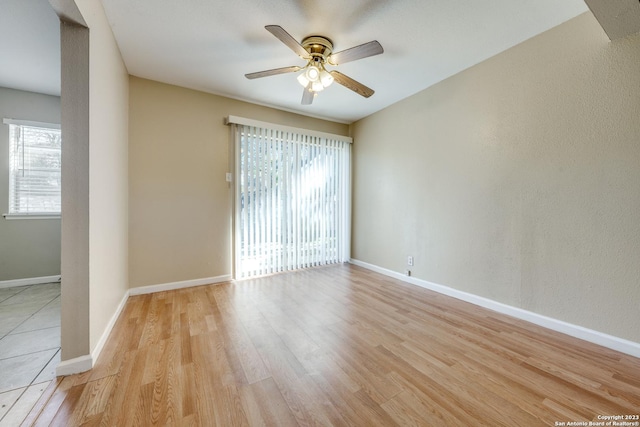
(319, 48)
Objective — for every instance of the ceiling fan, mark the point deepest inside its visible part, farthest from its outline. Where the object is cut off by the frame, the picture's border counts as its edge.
(318, 52)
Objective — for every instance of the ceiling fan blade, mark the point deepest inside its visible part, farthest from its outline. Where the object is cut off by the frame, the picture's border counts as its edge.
(358, 52)
(287, 39)
(308, 95)
(273, 72)
(349, 83)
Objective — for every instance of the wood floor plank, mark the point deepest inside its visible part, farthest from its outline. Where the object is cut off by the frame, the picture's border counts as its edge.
(187, 391)
(267, 407)
(356, 407)
(407, 410)
(236, 334)
(166, 403)
(217, 394)
(451, 411)
(339, 346)
(93, 400)
(361, 366)
(122, 404)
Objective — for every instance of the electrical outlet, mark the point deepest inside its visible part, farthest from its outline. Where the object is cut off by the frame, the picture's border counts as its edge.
(410, 260)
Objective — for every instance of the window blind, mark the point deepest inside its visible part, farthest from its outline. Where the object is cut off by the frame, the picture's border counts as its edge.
(34, 169)
(292, 200)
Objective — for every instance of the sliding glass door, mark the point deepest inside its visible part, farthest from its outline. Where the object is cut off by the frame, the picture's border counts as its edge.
(292, 200)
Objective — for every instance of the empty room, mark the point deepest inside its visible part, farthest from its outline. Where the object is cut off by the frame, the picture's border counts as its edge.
(366, 213)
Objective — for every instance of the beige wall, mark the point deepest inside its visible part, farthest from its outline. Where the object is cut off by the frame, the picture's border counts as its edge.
(180, 205)
(517, 180)
(108, 174)
(28, 248)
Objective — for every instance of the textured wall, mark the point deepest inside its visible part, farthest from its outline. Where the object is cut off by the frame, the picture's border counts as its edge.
(180, 204)
(28, 248)
(517, 180)
(75, 319)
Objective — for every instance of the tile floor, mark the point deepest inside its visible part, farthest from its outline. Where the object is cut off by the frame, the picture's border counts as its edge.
(29, 347)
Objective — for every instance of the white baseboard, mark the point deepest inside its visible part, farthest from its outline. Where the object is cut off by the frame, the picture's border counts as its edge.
(619, 344)
(75, 365)
(84, 363)
(28, 281)
(179, 285)
(107, 331)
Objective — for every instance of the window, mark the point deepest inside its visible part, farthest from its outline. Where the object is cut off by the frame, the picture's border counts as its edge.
(34, 168)
(292, 199)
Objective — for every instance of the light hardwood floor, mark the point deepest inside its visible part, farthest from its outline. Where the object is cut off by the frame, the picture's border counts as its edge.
(336, 346)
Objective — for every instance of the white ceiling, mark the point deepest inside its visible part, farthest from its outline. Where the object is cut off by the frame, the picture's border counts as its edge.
(209, 45)
(30, 48)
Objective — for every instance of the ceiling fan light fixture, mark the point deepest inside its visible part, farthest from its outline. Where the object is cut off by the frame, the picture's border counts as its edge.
(302, 79)
(326, 78)
(315, 77)
(313, 73)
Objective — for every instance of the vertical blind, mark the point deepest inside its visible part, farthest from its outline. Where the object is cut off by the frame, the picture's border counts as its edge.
(292, 200)
(35, 160)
